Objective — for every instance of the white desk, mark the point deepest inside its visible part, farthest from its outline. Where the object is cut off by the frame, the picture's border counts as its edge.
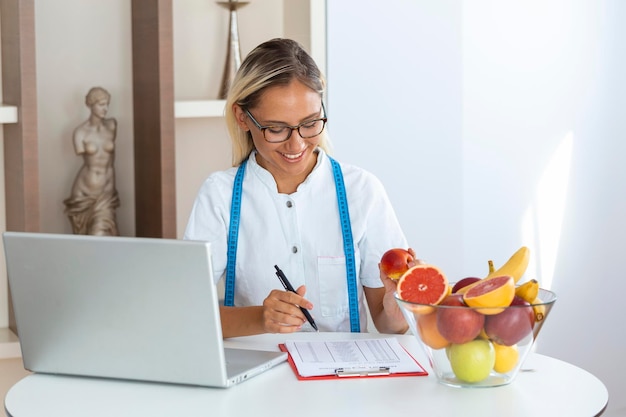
(553, 388)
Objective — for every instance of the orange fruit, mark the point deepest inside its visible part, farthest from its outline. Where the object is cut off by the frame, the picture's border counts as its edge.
(506, 358)
(491, 295)
(423, 284)
(427, 327)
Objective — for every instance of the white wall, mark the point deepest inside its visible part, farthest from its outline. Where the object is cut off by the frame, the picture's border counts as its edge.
(496, 124)
(395, 109)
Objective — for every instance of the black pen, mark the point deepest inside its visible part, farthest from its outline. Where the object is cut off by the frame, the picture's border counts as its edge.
(283, 280)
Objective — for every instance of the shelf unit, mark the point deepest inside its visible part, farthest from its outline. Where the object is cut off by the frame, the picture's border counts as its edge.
(8, 114)
(155, 109)
(199, 108)
(154, 106)
(21, 159)
(19, 115)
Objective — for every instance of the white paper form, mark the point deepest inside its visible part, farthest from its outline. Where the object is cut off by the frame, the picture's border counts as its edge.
(318, 358)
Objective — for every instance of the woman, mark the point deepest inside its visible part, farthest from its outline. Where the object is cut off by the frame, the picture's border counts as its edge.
(285, 202)
(91, 207)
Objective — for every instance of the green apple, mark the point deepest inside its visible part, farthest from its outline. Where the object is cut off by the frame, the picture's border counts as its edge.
(472, 361)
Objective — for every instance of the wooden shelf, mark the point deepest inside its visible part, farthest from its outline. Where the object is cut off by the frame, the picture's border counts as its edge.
(21, 146)
(8, 114)
(199, 108)
(19, 86)
(153, 104)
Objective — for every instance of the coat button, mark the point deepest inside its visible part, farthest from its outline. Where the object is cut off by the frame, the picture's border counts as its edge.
(289, 204)
(294, 249)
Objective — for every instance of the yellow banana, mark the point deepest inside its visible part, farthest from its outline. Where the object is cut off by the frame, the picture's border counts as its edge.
(539, 308)
(515, 266)
(528, 290)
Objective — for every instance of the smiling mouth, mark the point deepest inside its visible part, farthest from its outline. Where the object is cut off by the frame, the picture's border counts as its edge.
(292, 155)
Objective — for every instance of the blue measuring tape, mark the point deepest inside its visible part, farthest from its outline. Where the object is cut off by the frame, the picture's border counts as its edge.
(233, 236)
(346, 231)
(348, 247)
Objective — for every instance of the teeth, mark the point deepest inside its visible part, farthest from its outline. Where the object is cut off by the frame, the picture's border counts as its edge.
(291, 156)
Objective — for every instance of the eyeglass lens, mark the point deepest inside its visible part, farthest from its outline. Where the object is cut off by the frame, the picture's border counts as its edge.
(306, 130)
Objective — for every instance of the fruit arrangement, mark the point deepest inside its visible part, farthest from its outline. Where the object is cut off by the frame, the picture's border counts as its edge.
(476, 331)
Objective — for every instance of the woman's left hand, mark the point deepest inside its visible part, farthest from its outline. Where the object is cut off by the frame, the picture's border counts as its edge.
(393, 320)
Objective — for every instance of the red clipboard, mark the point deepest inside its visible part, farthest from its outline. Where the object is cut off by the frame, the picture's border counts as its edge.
(283, 348)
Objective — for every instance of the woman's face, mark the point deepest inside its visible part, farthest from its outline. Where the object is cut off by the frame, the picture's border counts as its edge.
(291, 161)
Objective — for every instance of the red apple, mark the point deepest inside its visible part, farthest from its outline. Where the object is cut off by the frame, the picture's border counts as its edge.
(395, 262)
(512, 325)
(464, 283)
(457, 322)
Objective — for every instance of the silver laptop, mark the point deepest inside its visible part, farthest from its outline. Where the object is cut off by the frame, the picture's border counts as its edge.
(121, 307)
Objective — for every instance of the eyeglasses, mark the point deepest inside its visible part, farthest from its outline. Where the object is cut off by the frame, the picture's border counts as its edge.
(282, 133)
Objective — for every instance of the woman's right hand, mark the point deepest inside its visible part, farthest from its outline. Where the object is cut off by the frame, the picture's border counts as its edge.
(281, 312)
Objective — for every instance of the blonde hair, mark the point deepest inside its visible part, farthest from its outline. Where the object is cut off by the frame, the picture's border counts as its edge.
(275, 62)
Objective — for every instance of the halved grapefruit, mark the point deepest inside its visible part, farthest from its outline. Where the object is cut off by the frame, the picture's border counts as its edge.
(492, 295)
(423, 284)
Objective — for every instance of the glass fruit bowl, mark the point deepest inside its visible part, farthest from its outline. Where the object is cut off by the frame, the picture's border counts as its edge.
(474, 346)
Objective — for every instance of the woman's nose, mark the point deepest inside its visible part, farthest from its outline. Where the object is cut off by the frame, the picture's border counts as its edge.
(295, 136)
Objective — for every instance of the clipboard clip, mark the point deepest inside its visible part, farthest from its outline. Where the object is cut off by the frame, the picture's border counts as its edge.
(359, 372)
